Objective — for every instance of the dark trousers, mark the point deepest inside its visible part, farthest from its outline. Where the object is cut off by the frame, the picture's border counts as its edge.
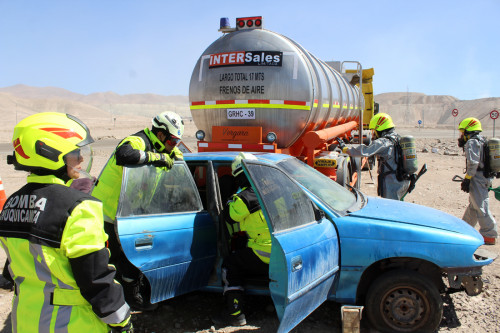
(5, 272)
(123, 267)
(242, 263)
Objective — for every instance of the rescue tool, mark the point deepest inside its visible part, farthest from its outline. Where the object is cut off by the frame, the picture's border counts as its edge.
(414, 179)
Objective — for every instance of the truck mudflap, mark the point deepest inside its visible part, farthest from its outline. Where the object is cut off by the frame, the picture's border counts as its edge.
(468, 278)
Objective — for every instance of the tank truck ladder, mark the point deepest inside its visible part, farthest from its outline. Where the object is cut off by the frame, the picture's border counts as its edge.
(359, 73)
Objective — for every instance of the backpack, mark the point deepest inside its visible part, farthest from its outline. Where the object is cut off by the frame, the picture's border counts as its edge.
(405, 156)
(491, 156)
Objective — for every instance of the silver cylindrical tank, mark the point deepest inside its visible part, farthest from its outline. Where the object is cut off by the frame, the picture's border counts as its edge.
(494, 154)
(261, 78)
(409, 150)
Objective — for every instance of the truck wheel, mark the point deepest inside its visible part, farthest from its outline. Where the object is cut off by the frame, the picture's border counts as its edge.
(343, 172)
(404, 301)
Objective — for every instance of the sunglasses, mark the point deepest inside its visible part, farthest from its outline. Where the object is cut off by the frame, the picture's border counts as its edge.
(173, 141)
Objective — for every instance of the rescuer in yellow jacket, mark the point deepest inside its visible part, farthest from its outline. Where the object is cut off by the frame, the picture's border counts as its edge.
(157, 147)
(54, 238)
(250, 246)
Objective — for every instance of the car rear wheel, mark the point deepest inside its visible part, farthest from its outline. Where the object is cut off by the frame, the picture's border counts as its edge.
(404, 301)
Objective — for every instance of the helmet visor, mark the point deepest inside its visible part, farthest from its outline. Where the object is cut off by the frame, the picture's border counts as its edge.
(80, 161)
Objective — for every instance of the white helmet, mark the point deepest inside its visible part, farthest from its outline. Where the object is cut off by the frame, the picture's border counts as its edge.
(171, 122)
(236, 165)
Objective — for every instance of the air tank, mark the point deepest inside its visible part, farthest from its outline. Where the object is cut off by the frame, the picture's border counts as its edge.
(409, 150)
(494, 154)
(256, 77)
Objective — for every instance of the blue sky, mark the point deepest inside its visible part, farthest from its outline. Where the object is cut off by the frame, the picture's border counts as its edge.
(151, 46)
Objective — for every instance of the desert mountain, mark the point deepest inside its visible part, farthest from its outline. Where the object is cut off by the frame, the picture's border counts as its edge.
(106, 111)
(435, 110)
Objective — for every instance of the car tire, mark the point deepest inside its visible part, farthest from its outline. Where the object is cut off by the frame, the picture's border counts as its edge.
(404, 301)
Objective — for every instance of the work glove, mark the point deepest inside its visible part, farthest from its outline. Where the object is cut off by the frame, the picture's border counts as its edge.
(160, 160)
(123, 327)
(465, 185)
(239, 241)
(413, 180)
(176, 154)
(341, 145)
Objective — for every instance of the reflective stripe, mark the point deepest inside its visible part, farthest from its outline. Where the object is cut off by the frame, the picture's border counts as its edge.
(252, 103)
(62, 319)
(118, 316)
(15, 304)
(43, 274)
(226, 283)
(263, 254)
(260, 106)
(63, 315)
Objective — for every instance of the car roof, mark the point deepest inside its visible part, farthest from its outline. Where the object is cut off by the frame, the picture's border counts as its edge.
(228, 156)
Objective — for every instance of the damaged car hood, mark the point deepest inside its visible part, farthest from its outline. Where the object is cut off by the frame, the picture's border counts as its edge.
(407, 213)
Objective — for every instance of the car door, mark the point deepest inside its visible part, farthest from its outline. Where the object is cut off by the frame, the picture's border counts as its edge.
(164, 230)
(305, 248)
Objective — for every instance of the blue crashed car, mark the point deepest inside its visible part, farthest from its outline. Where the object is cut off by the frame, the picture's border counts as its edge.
(328, 242)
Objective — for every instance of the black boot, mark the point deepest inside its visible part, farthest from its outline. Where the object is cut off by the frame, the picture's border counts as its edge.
(134, 291)
(6, 284)
(6, 281)
(232, 315)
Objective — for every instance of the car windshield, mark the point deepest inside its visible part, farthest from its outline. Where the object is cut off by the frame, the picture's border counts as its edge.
(330, 192)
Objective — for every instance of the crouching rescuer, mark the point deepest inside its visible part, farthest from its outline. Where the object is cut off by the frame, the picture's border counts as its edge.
(250, 245)
(53, 235)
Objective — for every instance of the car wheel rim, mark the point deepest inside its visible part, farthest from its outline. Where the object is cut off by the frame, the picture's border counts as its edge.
(405, 308)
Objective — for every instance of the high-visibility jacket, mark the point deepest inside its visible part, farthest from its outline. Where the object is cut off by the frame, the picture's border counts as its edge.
(244, 209)
(131, 150)
(109, 183)
(54, 239)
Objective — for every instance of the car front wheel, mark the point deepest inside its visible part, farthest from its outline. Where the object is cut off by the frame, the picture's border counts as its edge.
(404, 301)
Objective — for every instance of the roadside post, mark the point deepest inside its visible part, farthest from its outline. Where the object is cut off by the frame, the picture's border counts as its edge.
(351, 318)
(494, 115)
(454, 113)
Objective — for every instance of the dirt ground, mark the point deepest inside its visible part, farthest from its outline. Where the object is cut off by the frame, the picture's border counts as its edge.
(191, 313)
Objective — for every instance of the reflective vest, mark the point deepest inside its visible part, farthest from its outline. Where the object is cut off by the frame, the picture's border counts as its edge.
(245, 209)
(108, 187)
(55, 242)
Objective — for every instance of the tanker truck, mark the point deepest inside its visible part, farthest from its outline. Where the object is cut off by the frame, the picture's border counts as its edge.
(256, 90)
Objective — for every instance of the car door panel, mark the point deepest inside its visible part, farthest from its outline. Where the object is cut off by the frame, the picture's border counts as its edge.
(173, 245)
(305, 251)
